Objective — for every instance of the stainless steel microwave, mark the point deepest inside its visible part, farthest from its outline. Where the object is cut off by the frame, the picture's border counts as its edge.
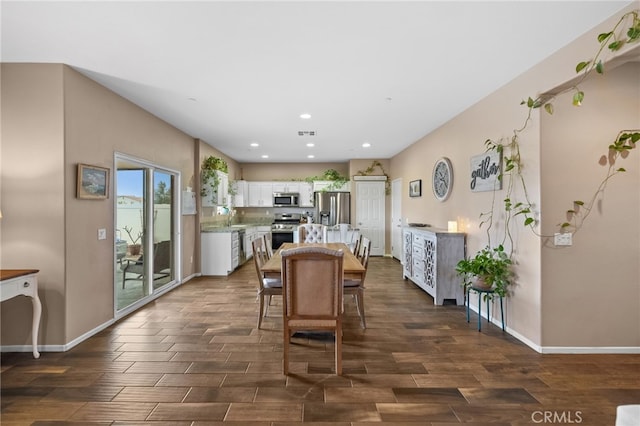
(285, 199)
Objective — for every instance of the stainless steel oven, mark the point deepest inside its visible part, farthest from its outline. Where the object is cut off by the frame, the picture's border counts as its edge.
(282, 228)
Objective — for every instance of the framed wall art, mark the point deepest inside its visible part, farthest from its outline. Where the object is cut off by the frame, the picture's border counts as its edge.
(415, 188)
(485, 169)
(93, 182)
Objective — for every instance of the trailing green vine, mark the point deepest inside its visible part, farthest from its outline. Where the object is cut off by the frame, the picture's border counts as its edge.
(512, 176)
(336, 179)
(209, 176)
(369, 170)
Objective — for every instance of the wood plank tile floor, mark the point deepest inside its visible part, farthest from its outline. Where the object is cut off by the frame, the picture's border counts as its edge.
(195, 357)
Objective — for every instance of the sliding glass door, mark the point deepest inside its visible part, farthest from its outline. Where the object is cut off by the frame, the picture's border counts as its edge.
(145, 223)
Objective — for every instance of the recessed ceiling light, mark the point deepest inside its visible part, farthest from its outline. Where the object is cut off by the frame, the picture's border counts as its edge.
(305, 116)
(265, 156)
(254, 144)
(311, 156)
(366, 145)
(310, 145)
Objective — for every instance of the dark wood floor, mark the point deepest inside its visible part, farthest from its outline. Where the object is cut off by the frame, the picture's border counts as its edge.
(195, 357)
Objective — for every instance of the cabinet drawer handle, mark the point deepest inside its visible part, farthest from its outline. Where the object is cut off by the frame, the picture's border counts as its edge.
(26, 284)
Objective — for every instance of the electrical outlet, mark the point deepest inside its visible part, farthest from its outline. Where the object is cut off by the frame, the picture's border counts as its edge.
(562, 239)
(102, 234)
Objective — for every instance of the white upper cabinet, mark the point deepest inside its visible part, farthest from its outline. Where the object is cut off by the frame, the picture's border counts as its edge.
(286, 187)
(241, 193)
(306, 194)
(218, 195)
(260, 194)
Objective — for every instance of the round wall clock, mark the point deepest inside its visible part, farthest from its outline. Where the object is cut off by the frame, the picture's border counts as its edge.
(442, 179)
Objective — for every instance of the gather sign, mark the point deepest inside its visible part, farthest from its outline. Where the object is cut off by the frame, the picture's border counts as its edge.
(485, 169)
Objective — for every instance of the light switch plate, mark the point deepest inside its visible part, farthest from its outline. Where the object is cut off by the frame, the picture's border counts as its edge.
(562, 239)
(102, 234)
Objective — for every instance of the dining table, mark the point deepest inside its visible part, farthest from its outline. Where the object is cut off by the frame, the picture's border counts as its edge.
(351, 266)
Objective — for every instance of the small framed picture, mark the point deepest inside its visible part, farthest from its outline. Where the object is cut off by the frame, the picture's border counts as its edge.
(93, 182)
(415, 188)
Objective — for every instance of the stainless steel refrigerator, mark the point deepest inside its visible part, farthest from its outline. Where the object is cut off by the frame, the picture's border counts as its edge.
(332, 208)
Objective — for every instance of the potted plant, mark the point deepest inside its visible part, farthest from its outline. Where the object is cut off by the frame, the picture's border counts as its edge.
(490, 269)
(134, 247)
(209, 174)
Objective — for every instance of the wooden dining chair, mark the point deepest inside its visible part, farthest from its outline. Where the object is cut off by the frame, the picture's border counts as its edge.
(267, 244)
(365, 243)
(267, 287)
(312, 281)
(355, 287)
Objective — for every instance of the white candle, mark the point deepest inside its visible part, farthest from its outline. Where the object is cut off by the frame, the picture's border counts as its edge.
(452, 226)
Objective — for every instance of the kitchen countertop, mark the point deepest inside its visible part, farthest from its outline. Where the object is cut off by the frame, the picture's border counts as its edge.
(233, 228)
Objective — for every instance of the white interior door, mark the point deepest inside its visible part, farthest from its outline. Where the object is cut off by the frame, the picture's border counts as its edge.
(396, 218)
(370, 214)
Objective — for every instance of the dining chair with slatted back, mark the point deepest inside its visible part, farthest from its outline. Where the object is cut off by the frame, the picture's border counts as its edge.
(365, 246)
(356, 246)
(312, 233)
(312, 279)
(355, 287)
(267, 244)
(267, 287)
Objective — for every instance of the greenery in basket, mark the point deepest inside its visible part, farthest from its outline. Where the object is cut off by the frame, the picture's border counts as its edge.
(337, 180)
(491, 265)
(209, 176)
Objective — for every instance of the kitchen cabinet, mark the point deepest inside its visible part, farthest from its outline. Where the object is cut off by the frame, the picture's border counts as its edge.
(219, 252)
(260, 194)
(306, 194)
(241, 193)
(429, 260)
(286, 187)
(219, 196)
(327, 185)
(251, 234)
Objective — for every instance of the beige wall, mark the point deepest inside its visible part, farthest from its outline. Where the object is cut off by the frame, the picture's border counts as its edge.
(286, 171)
(32, 194)
(591, 290)
(56, 118)
(532, 318)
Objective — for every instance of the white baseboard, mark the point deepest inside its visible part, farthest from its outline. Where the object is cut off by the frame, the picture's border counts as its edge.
(88, 334)
(561, 349)
(590, 350)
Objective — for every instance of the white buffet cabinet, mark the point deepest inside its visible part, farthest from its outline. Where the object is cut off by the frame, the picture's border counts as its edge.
(219, 252)
(429, 258)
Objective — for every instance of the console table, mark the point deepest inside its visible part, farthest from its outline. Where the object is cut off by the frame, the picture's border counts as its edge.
(23, 282)
(429, 260)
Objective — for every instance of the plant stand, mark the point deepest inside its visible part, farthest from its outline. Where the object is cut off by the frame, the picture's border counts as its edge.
(480, 292)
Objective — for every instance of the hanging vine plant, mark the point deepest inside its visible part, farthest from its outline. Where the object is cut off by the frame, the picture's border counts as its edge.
(209, 176)
(620, 146)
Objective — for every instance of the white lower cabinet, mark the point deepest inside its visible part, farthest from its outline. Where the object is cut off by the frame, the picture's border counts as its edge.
(251, 234)
(429, 260)
(219, 252)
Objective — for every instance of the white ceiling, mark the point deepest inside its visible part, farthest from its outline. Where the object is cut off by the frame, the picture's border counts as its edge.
(232, 73)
